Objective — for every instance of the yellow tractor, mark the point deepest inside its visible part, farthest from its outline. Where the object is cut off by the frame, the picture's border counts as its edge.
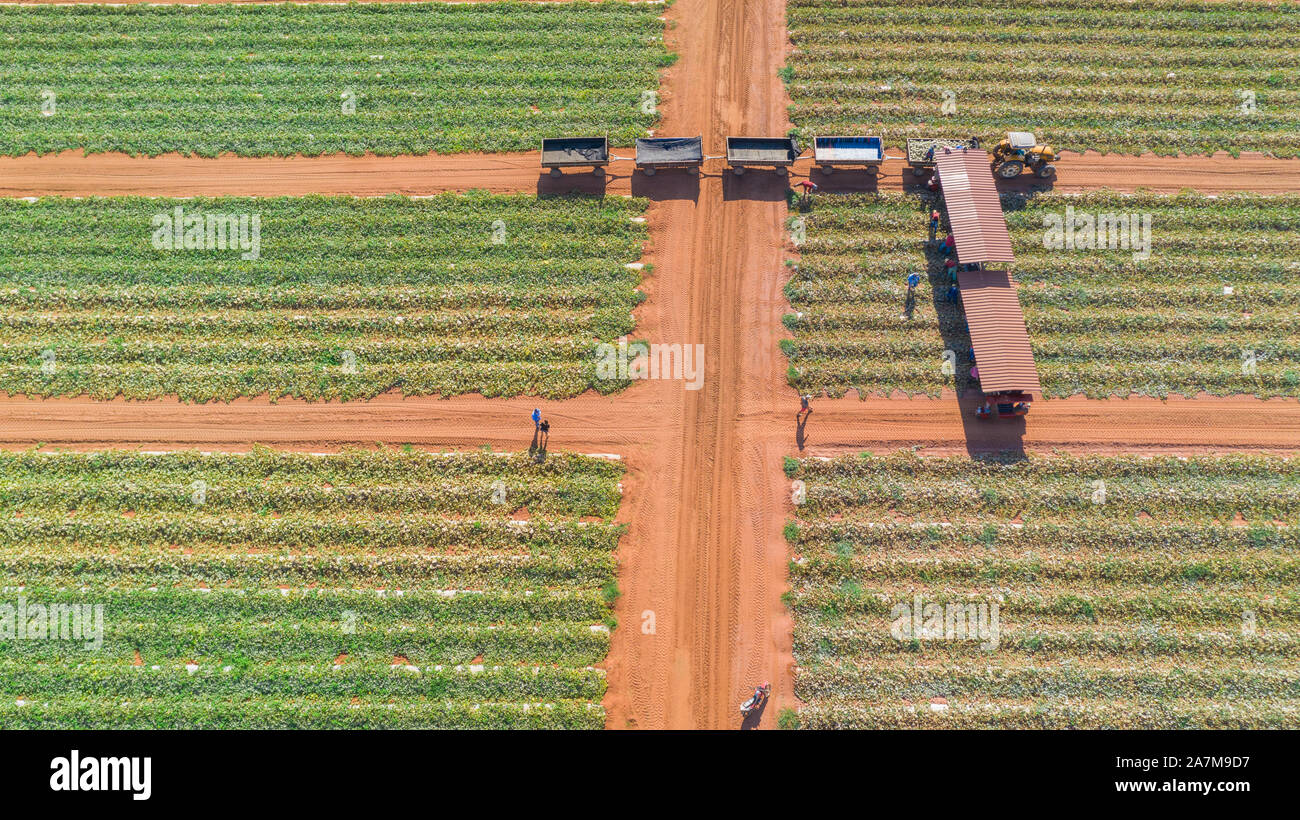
(1020, 150)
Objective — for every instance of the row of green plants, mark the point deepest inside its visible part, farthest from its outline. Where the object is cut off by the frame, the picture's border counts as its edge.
(366, 588)
(347, 298)
(1209, 309)
(254, 80)
(1169, 77)
(1013, 592)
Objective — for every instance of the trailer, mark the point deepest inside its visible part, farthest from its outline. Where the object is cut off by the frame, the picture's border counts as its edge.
(654, 154)
(921, 151)
(575, 152)
(774, 152)
(845, 152)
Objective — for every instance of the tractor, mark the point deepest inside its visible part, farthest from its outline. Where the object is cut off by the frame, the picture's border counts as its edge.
(1020, 150)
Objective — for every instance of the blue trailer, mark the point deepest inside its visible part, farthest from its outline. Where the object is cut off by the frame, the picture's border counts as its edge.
(848, 152)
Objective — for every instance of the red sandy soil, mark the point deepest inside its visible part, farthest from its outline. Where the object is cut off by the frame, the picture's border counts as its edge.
(72, 173)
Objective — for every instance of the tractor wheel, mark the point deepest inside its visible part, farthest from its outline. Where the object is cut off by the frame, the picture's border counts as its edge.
(828, 170)
(1046, 170)
(1010, 169)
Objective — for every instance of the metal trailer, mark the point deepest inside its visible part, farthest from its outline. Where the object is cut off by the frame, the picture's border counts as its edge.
(654, 154)
(575, 152)
(867, 152)
(776, 152)
(921, 151)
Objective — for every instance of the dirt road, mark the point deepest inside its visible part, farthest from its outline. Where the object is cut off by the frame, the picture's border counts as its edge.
(72, 173)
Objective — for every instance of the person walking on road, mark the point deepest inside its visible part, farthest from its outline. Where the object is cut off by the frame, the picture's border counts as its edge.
(537, 419)
(803, 404)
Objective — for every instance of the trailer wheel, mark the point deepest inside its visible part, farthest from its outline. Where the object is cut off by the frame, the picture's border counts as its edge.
(555, 172)
(740, 170)
(692, 170)
(1046, 171)
(918, 172)
(1011, 169)
(873, 170)
(827, 170)
(648, 171)
(598, 171)
(781, 172)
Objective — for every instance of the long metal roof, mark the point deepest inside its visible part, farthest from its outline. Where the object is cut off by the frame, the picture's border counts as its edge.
(974, 210)
(997, 331)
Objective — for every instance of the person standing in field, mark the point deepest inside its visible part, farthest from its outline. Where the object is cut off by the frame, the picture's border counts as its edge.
(537, 419)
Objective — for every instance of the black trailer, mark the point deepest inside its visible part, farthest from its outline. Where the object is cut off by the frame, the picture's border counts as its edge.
(864, 152)
(657, 153)
(764, 152)
(575, 152)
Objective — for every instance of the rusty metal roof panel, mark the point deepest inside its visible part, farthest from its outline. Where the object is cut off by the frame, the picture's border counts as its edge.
(974, 209)
(997, 331)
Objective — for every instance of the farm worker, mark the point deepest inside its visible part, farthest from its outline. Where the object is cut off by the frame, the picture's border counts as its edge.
(984, 411)
(975, 373)
(952, 293)
(913, 279)
(537, 419)
(803, 404)
(934, 225)
(949, 245)
(809, 188)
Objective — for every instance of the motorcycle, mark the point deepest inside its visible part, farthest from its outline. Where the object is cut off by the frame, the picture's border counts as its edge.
(757, 699)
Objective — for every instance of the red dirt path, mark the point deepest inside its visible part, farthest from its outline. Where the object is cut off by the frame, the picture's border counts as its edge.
(72, 173)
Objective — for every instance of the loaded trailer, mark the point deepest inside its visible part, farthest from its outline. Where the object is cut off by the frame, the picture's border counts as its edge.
(658, 153)
(921, 151)
(848, 152)
(778, 153)
(575, 152)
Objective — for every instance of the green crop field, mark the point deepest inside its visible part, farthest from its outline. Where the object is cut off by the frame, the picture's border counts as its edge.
(401, 78)
(365, 589)
(1131, 592)
(1101, 322)
(348, 298)
(1168, 76)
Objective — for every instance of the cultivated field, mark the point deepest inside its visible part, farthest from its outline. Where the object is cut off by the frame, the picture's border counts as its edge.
(1101, 322)
(348, 298)
(366, 589)
(1168, 76)
(311, 79)
(1131, 592)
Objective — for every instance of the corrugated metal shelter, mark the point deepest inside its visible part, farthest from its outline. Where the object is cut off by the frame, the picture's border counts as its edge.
(997, 331)
(974, 210)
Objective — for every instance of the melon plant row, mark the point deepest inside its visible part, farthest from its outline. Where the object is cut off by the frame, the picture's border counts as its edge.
(402, 78)
(347, 298)
(1067, 592)
(1168, 76)
(1211, 307)
(364, 589)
